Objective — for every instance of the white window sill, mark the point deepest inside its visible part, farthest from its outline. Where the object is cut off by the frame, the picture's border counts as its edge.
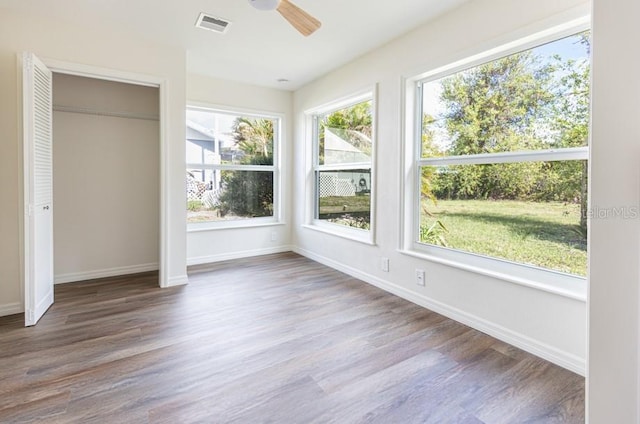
(570, 286)
(228, 225)
(360, 236)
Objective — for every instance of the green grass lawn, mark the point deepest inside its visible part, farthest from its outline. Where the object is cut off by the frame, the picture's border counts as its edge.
(346, 204)
(543, 234)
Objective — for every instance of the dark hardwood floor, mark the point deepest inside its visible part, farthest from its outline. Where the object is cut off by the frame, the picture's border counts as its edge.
(275, 339)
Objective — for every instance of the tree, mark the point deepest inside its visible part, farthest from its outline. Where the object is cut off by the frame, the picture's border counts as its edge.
(429, 149)
(250, 193)
(247, 193)
(494, 107)
(354, 118)
(519, 102)
(254, 136)
(572, 122)
(356, 125)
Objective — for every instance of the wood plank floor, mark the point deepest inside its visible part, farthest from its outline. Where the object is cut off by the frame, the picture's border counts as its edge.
(275, 339)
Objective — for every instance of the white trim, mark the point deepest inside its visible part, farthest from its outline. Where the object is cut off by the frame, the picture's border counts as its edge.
(165, 224)
(163, 87)
(373, 190)
(279, 142)
(42, 307)
(408, 103)
(348, 100)
(232, 167)
(345, 167)
(11, 309)
(102, 273)
(200, 260)
(313, 167)
(180, 280)
(198, 227)
(89, 71)
(344, 231)
(503, 49)
(547, 155)
(233, 110)
(566, 23)
(566, 285)
(564, 359)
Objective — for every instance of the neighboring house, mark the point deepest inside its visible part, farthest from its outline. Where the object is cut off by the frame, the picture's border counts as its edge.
(202, 147)
(231, 155)
(345, 147)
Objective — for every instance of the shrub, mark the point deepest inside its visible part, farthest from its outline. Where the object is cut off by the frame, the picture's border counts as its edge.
(194, 205)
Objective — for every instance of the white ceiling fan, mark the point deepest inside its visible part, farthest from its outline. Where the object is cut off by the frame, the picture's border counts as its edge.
(301, 20)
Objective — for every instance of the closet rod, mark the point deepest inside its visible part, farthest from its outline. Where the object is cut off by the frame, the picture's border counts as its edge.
(86, 111)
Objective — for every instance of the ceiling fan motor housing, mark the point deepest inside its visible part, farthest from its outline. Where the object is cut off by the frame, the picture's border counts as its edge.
(265, 4)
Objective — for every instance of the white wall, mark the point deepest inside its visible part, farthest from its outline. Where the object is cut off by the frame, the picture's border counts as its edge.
(100, 47)
(544, 323)
(106, 178)
(613, 388)
(222, 244)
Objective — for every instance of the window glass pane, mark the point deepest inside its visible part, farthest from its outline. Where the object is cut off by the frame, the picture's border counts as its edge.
(215, 195)
(202, 144)
(344, 197)
(537, 99)
(252, 142)
(530, 212)
(202, 187)
(221, 138)
(345, 135)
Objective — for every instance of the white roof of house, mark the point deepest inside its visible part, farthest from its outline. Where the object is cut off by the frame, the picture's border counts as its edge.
(196, 131)
(335, 141)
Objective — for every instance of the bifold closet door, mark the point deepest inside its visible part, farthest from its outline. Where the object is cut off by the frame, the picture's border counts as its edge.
(38, 188)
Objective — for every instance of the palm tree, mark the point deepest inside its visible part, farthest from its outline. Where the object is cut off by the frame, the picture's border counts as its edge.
(254, 136)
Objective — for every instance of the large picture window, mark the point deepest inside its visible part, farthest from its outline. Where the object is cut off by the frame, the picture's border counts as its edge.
(501, 159)
(231, 167)
(343, 150)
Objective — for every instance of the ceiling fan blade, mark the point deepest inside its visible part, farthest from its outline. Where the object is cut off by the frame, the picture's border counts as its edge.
(301, 20)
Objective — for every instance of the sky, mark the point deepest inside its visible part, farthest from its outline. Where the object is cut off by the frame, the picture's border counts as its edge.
(567, 48)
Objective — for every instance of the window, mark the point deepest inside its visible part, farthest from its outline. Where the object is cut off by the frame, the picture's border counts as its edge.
(232, 165)
(343, 150)
(501, 159)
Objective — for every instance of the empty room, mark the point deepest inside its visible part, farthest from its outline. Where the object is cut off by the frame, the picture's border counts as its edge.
(304, 211)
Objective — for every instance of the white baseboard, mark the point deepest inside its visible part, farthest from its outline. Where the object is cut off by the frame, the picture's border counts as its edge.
(11, 309)
(199, 260)
(180, 280)
(535, 347)
(102, 273)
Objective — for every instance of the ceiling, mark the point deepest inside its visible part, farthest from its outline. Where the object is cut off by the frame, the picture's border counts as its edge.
(259, 47)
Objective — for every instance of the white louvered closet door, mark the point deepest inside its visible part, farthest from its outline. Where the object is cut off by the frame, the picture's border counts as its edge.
(38, 188)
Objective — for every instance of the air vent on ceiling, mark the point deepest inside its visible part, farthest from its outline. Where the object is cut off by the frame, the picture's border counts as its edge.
(212, 23)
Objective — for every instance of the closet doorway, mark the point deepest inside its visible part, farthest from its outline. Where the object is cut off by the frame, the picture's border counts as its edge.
(106, 178)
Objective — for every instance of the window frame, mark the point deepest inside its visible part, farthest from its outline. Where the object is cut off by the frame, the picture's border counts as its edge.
(314, 168)
(568, 285)
(275, 168)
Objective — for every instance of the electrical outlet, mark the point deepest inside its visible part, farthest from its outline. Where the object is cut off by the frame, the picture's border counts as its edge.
(420, 277)
(274, 236)
(384, 264)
